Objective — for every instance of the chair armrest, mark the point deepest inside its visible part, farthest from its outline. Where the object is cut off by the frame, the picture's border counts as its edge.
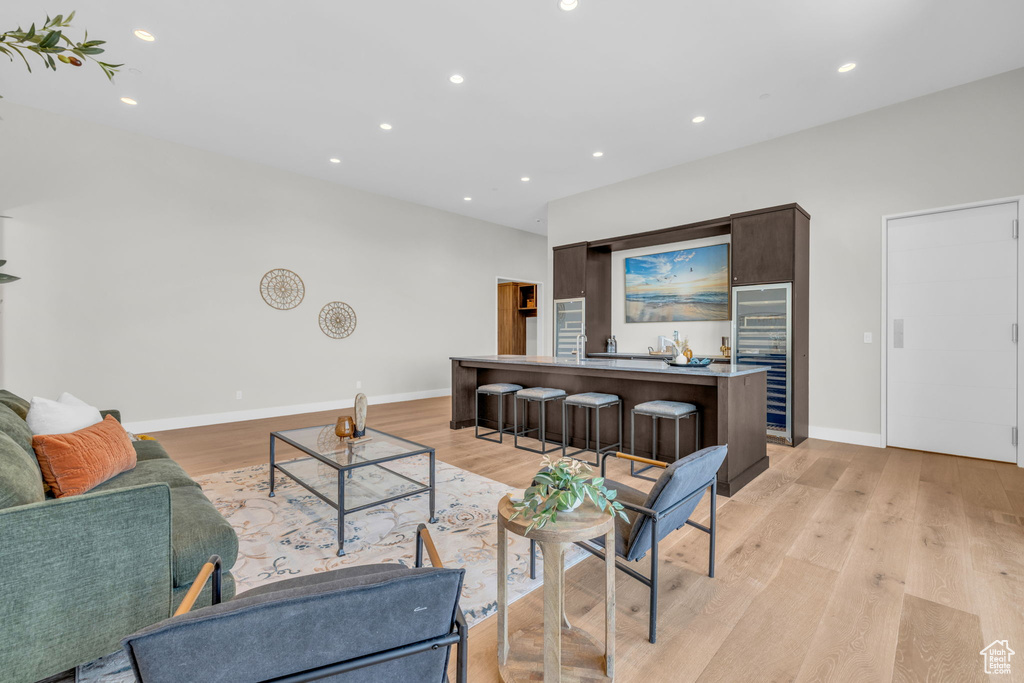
(97, 566)
(638, 508)
(423, 539)
(212, 568)
(635, 458)
(115, 413)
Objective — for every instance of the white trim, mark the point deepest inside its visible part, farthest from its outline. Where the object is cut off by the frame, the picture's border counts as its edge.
(884, 327)
(845, 436)
(259, 413)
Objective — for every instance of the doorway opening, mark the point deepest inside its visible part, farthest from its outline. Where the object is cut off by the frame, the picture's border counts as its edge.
(518, 304)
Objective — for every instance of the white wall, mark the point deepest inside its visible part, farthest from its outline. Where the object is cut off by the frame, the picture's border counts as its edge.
(705, 336)
(141, 262)
(960, 145)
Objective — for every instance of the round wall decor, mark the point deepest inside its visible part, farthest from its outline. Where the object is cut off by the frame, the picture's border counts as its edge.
(337, 320)
(282, 289)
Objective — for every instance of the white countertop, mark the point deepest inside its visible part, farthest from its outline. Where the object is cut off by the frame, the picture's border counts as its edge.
(653, 365)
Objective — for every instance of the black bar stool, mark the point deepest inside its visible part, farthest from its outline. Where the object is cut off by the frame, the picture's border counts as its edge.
(543, 396)
(587, 401)
(664, 410)
(501, 391)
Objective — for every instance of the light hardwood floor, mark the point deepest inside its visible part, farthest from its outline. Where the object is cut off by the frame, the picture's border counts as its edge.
(840, 563)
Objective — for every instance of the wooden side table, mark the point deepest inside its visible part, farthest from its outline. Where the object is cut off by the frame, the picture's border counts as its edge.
(583, 524)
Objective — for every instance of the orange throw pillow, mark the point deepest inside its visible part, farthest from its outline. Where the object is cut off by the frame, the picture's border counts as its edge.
(77, 462)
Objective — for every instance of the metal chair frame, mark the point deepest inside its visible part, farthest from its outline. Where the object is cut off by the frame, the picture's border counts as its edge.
(598, 451)
(544, 450)
(654, 438)
(651, 581)
(500, 431)
(459, 635)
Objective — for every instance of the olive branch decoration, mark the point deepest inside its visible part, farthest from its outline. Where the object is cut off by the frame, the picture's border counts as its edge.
(49, 42)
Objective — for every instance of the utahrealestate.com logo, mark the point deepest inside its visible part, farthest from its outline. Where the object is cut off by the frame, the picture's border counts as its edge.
(997, 657)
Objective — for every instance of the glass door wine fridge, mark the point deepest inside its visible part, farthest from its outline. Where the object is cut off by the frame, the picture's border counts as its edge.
(570, 321)
(762, 320)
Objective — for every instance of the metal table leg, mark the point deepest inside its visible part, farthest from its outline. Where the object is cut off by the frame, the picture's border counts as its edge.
(433, 484)
(271, 465)
(341, 516)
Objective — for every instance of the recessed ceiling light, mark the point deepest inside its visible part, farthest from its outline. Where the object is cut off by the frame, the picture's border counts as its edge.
(525, 179)
(697, 119)
(598, 154)
(467, 199)
(456, 78)
(142, 34)
(385, 126)
(128, 100)
(335, 161)
(850, 66)
(568, 5)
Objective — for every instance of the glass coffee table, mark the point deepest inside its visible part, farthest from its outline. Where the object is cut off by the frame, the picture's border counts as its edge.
(351, 477)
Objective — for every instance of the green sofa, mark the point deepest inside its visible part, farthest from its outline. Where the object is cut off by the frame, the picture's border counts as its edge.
(78, 574)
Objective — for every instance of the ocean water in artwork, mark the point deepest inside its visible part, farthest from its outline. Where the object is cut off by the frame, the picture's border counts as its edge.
(684, 285)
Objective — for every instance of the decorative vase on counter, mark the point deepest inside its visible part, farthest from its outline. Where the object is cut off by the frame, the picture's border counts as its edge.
(360, 410)
(345, 427)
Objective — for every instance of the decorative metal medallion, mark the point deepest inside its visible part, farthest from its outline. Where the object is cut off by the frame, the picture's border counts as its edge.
(282, 289)
(337, 320)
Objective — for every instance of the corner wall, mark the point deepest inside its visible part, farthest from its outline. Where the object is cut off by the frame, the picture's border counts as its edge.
(141, 262)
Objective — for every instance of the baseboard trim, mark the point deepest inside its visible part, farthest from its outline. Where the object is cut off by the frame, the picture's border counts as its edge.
(846, 436)
(164, 424)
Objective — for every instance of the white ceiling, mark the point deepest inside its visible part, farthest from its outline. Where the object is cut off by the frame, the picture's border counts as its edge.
(291, 84)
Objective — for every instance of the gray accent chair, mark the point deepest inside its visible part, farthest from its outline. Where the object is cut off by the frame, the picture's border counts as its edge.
(655, 515)
(383, 622)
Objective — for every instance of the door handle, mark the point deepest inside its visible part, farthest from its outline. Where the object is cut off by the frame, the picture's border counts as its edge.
(897, 333)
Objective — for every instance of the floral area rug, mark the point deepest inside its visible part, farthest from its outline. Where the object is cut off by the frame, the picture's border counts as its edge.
(294, 533)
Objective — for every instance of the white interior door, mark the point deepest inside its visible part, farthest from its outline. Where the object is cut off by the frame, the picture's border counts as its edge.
(952, 314)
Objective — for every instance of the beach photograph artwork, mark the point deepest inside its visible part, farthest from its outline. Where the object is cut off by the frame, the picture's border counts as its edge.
(684, 285)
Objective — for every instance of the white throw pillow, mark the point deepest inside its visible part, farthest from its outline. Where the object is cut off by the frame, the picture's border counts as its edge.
(67, 415)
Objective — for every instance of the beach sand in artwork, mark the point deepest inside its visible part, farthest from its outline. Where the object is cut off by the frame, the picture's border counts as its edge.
(640, 312)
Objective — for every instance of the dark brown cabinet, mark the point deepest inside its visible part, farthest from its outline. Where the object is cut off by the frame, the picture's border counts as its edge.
(769, 246)
(578, 269)
(763, 247)
(570, 270)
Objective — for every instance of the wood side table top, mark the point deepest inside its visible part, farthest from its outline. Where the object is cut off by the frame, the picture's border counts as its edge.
(582, 524)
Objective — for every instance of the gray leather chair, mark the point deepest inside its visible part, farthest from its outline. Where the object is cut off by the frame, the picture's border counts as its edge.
(383, 622)
(654, 515)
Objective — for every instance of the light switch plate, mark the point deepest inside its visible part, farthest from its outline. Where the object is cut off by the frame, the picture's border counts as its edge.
(867, 337)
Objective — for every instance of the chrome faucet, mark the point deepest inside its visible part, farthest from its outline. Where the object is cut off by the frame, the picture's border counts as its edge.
(580, 347)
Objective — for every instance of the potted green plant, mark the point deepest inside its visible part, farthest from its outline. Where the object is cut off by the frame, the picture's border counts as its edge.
(561, 486)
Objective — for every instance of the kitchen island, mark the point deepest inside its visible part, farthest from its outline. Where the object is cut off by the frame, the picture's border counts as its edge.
(731, 399)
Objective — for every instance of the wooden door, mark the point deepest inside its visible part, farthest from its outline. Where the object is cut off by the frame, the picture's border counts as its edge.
(763, 248)
(951, 366)
(511, 325)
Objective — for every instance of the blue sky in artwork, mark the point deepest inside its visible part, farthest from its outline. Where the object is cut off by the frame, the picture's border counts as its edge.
(695, 270)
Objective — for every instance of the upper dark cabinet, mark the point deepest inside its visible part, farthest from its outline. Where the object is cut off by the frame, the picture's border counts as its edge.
(763, 247)
(570, 271)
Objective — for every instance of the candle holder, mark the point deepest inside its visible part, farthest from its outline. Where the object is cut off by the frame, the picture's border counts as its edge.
(345, 427)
